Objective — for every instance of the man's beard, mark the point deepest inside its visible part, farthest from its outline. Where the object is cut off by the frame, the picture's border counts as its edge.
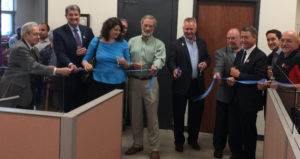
(146, 34)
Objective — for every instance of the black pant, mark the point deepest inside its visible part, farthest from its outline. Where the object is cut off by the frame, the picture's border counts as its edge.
(97, 89)
(242, 132)
(221, 125)
(75, 92)
(194, 114)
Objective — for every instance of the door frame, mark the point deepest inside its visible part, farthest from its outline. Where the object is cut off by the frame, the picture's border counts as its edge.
(257, 8)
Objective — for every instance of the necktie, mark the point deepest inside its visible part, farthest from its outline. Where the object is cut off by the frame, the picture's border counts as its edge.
(77, 38)
(243, 58)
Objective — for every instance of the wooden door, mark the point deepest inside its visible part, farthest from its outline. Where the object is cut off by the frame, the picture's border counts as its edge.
(214, 20)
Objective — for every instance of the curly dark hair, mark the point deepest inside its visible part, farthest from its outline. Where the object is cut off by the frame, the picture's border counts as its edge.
(110, 24)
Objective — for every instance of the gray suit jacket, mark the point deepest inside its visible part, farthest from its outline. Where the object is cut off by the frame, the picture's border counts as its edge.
(16, 80)
(224, 61)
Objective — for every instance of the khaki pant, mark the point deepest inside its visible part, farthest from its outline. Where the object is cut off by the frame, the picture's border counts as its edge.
(141, 98)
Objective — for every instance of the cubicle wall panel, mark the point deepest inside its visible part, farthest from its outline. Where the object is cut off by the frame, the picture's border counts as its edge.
(289, 152)
(94, 141)
(275, 138)
(29, 136)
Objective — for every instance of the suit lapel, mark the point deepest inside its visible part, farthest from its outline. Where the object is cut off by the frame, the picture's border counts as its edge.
(83, 34)
(186, 51)
(33, 52)
(230, 54)
(70, 35)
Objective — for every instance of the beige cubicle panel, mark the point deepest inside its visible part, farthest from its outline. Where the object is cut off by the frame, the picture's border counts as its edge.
(91, 131)
(29, 135)
(281, 141)
(101, 129)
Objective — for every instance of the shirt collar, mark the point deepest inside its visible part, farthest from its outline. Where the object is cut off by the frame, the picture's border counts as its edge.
(188, 40)
(279, 51)
(72, 29)
(30, 47)
(45, 41)
(250, 50)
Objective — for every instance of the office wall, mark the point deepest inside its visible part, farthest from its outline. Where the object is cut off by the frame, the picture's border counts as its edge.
(30, 10)
(298, 17)
(99, 11)
(275, 14)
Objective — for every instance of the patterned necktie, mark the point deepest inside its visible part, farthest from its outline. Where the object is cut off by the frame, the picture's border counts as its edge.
(243, 58)
(77, 38)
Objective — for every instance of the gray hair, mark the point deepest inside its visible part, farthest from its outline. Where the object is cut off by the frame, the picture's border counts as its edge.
(250, 29)
(27, 27)
(148, 16)
(124, 20)
(72, 7)
(190, 19)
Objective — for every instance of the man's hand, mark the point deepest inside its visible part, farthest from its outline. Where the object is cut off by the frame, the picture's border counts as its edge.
(230, 81)
(202, 66)
(176, 74)
(74, 68)
(261, 86)
(269, 73)
(63, 71)
(218, 77)
(81, 51)
(137, 66)
(234, 72)
(153, 69)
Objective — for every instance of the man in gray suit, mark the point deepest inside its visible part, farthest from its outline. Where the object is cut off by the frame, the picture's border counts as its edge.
(224, 61)
(23, 68)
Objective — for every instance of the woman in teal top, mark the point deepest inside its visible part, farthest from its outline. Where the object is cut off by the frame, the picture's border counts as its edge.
(112, 57)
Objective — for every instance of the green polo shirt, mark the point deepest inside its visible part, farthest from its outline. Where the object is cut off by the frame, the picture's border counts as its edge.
(147, 52)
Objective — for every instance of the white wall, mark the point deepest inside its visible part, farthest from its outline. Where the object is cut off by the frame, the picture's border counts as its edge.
(185, 9)
(298, 17)
(99, 11)
(275, 14)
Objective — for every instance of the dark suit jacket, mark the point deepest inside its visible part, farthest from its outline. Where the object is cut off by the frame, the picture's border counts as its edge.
(65, 45)
(248, 97)
(179, 56)
(224, 62)
(17, 79)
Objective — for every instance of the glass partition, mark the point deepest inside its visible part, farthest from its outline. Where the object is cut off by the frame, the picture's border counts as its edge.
(30, 90)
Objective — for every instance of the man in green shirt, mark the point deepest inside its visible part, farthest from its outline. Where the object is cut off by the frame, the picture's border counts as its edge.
(146, 52)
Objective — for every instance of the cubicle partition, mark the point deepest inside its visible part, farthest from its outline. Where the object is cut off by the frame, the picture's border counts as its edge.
(282, 140)
(91, 131)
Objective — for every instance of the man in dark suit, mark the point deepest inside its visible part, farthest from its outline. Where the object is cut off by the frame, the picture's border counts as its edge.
(187, 61)
(224, 61)
(273, 39)
(249, 64)
(23, 67)
(70, 43)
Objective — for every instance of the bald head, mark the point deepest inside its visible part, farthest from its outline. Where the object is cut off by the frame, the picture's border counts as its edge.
(289, 42)
(233, 39)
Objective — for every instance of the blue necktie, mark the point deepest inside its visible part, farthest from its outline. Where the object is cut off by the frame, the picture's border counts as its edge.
(243, 59)
(77, 38)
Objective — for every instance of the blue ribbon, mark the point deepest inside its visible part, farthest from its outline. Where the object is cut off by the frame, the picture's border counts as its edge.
(151, 82)
(213, 81)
